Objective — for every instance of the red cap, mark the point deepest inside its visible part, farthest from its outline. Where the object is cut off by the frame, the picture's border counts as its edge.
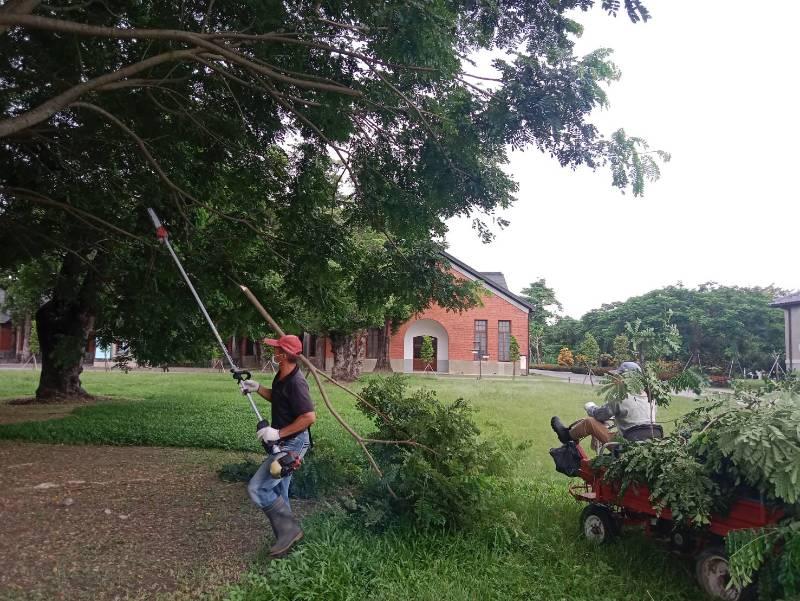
(289, 343)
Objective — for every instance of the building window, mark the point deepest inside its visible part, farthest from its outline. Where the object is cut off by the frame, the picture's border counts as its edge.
(481, 340)
(373, 342)
(312, 345)
(503, 341)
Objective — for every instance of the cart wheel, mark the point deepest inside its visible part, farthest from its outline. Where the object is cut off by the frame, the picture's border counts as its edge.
(597, 524)
(713, 575)
(681, 541)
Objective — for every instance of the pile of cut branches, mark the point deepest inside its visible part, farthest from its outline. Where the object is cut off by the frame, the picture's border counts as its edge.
(748, 444)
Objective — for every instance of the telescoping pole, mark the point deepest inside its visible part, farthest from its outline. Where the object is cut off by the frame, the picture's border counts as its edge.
(238, 374)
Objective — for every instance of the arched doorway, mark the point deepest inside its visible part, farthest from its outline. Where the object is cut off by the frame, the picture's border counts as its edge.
(411, 346)
(420, 364)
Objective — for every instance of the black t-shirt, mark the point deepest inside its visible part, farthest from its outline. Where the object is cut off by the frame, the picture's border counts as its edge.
(290, 398)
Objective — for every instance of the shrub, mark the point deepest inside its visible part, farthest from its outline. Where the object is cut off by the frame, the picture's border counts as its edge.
(565, 357)
(667, 370)
(550, 367)
(445, 482)
(719, 381)
(606, 360)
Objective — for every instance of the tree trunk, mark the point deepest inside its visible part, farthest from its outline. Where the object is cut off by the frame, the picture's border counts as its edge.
(63, 324)
(348, 353)
(383, 363)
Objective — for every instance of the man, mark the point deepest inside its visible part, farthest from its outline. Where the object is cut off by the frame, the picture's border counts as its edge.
(292, 414)
(634, 415)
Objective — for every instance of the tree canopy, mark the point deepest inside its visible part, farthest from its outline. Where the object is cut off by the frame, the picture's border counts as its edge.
(267, 135)
(720, 323)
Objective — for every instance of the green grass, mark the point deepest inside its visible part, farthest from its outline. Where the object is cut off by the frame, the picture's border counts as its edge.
(540, 557)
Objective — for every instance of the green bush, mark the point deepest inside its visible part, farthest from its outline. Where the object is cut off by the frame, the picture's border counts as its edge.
(444, 482)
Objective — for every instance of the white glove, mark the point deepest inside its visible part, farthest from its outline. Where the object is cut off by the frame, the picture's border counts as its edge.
(268, 434)
(249, 386)
(590, 405)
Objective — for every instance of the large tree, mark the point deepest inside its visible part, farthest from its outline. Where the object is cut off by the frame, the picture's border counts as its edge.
(267, 133)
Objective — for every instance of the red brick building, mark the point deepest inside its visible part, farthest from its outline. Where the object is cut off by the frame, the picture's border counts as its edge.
(459, 339)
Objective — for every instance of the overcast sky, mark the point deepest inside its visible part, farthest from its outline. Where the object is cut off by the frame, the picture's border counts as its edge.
(711, 81)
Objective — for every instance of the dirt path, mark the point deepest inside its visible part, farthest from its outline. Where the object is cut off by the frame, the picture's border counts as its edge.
(121, 522)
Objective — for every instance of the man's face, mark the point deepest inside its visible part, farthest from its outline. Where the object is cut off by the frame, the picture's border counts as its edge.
(280, 355)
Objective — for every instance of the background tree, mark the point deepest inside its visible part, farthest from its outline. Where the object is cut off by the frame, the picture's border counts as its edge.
(513, 353)
(590, 349)
(227, 118)
(24, 295)
(620, 348)
(720, 323)
(566, 331)
(545, 310)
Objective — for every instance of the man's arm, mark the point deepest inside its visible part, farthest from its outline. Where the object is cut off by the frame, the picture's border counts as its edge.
(604, 413)
(302, 422)
(265, 392)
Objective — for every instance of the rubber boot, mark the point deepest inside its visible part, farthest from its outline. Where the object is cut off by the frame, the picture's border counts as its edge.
(560, 429)
(287, 532)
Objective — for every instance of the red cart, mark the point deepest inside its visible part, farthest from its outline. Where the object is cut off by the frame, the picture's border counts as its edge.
(607, 511)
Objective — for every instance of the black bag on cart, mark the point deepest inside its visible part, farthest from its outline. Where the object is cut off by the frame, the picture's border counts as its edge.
(567, 459)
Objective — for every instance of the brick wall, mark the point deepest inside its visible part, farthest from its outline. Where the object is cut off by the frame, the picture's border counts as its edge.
(461, 328)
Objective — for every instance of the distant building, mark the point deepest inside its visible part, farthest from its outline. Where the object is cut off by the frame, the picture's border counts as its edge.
(791, 307)
(476, 340)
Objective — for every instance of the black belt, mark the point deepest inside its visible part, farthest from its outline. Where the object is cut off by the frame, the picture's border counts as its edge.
(295, 435)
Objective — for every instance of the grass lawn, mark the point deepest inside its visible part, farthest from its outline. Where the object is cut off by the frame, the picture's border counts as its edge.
(339, 559)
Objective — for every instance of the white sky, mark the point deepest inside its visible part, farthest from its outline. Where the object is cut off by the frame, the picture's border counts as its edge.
(714, 83)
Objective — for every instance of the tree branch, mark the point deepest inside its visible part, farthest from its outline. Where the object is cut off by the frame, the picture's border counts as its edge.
(204, 40)
(48, 108)
(44, 200)
(17, 7)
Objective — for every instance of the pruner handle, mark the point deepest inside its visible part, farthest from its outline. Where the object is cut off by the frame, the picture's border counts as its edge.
(241, 374)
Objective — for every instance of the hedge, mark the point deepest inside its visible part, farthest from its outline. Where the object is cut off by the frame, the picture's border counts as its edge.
(597, 371)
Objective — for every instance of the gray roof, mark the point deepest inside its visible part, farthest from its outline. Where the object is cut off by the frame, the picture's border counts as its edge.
(786, 301)
(496, 277)
(4, 317)
(492, 283)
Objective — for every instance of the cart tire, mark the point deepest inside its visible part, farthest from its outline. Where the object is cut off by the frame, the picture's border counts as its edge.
(598, 525)
(713, 576)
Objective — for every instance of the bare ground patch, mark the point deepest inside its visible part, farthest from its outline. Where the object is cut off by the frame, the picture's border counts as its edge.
(81, 522)
(27, 409)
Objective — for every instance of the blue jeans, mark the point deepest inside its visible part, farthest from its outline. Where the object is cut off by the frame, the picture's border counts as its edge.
(263, 489)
